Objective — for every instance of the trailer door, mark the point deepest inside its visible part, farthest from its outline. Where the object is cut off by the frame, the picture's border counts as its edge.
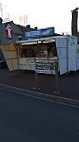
(61, 44)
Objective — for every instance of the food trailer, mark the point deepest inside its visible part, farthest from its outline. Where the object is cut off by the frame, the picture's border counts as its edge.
(43, 47)
(64, 49)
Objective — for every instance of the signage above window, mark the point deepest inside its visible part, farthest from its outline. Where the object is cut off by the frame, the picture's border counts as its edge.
(40, 33)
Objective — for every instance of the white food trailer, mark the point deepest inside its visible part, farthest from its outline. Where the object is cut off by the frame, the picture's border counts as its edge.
(44, 48)
(66, 51)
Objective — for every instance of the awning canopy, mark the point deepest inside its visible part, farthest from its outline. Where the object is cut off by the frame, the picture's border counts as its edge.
(41, 40)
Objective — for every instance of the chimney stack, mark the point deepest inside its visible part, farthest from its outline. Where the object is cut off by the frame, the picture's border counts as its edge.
(1, 21)
(74, 21)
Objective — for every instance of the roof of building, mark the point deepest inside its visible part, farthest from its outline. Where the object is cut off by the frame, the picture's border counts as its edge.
(10, 32)
(15, 33)
(25, 28)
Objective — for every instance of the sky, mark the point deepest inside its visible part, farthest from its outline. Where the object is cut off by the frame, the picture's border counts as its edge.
(41, 13)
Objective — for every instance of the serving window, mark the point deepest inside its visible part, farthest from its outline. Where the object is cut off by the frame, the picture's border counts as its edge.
(39, 50)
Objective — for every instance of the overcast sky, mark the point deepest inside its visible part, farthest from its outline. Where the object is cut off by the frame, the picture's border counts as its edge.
(41, 13)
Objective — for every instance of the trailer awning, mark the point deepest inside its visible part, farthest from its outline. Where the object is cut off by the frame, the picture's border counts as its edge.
(41, 40)
(36, 41)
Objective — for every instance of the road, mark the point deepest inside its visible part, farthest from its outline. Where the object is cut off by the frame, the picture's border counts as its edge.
(24, 119)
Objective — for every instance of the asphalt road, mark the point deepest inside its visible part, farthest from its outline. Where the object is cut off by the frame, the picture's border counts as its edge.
(24, 119)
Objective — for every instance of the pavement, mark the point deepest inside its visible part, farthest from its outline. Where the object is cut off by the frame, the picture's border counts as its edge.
(45, 85)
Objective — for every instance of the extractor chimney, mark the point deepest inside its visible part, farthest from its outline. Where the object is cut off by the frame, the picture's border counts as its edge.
(74, 21)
